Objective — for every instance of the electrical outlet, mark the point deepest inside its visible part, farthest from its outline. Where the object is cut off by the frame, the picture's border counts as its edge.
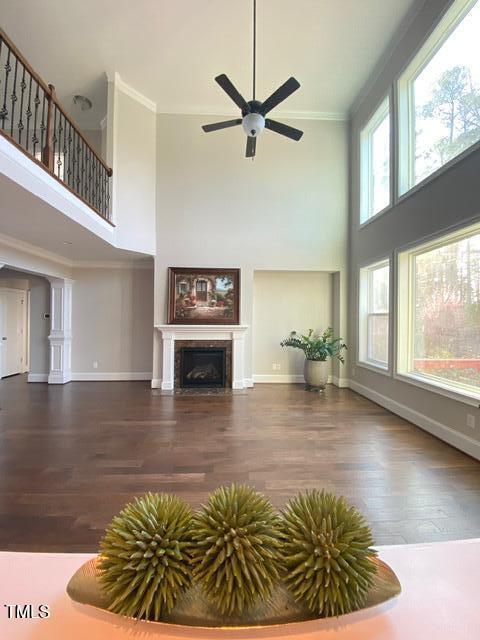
(95, 364)
(470, 420)
(276, 366)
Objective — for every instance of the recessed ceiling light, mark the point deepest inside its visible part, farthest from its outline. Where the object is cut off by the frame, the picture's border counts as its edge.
(67, 242)
(81, 101)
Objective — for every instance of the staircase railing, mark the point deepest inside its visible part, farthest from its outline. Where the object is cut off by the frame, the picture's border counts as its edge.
(32, 117)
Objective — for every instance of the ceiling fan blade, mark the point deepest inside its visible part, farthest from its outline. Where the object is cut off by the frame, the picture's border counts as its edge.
(280, 94)
(221, 125)
(230, 90)
(283, 129)
(251, 146)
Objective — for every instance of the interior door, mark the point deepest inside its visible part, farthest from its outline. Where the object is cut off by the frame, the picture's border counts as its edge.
(12, 332)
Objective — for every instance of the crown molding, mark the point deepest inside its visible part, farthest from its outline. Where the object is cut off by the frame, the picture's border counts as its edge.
(21, 245)
(283, 115)
(125, 88)
(118, 264)
(150, 104)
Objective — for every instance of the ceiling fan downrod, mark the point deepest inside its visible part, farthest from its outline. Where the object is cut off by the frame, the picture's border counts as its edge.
(253, 118)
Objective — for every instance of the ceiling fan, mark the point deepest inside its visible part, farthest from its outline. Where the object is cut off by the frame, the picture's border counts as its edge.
(253, 118)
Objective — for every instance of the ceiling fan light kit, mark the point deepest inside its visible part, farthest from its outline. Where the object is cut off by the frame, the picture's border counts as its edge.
(253, 118)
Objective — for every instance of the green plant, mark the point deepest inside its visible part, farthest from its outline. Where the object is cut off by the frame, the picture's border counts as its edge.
(327, 553)
(316, 347)
(236, 539)
(144, 558)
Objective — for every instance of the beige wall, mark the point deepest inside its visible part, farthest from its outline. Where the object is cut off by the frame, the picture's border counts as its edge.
(286, 301)
(112, 320)
(131, 152)
(94, 137)
(449, 200)
(287, 210)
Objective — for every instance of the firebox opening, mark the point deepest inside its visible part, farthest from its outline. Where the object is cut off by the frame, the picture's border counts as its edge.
(203, 367)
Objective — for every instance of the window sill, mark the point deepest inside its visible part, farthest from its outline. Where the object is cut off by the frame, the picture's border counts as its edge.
(436, 174)
(375, 217)
(437, 387)
(376, 368)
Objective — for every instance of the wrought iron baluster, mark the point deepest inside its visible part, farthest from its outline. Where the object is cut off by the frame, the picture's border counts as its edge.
(8, 69)
(21, 126)
(78, 149)
(29, 114)
(13, 97)
(36, 102)
(68, 163)
(89, 159)
(83, 169)
(54, 138)
(42, 124)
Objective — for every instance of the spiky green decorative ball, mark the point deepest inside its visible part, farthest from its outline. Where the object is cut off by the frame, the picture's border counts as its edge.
(235, 548)
(144, 558)
(327, 553)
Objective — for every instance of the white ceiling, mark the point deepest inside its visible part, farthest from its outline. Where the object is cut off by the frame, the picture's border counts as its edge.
(171, 50)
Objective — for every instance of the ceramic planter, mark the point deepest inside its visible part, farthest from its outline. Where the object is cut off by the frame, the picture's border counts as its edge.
(316, 374)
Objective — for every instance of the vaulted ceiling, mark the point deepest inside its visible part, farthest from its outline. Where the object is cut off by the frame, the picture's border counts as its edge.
(170, 51)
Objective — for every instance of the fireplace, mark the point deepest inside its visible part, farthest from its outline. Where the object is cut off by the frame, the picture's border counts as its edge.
(170, 339)
(203, 367)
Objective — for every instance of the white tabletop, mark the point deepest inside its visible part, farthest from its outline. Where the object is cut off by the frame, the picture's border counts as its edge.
(439, 601)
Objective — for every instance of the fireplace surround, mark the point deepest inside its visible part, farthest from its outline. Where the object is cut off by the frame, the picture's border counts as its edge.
(169, 339)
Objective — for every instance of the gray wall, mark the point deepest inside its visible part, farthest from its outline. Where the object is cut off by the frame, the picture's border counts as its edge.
(39, 305)
(450, 199)
(287, 210)
(112, 318)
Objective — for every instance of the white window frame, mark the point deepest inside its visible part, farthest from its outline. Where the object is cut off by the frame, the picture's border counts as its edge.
(364, 314)
(366, 155)
(405, 296)
(405, 102)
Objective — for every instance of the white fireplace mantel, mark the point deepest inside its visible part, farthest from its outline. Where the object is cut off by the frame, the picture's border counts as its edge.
(171, 332)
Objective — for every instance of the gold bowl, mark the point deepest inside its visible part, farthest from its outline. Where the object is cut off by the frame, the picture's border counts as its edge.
(193, 610)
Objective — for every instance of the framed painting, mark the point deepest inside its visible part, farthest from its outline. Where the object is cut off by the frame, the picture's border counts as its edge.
(203, 296)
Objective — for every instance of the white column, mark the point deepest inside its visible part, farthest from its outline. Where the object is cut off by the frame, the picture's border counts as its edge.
(60, 337)
(168, 377)
(238, 357)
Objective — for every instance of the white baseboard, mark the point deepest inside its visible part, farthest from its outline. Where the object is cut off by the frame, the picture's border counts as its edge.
(277, 379)
(37, 377)
(156, 383)
(292, 379)
(103, 376)
(459, 440)
(248, 383)
(342, 383)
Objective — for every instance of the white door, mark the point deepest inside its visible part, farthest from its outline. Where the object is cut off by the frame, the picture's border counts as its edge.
(12, 332)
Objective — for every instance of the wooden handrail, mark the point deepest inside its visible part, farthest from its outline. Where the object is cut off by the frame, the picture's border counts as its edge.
(49, 91)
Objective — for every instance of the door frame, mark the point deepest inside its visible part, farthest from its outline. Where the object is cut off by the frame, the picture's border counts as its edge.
(26, 329)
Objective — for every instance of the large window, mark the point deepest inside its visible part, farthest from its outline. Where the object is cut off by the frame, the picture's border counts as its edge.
(439, 313)
(439, 96)
(375, 163)
(374, 314)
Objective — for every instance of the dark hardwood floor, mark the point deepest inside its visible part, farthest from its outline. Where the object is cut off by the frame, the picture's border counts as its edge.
(71, 456)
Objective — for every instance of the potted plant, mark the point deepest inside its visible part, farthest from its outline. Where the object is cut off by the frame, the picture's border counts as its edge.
(317, 350)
